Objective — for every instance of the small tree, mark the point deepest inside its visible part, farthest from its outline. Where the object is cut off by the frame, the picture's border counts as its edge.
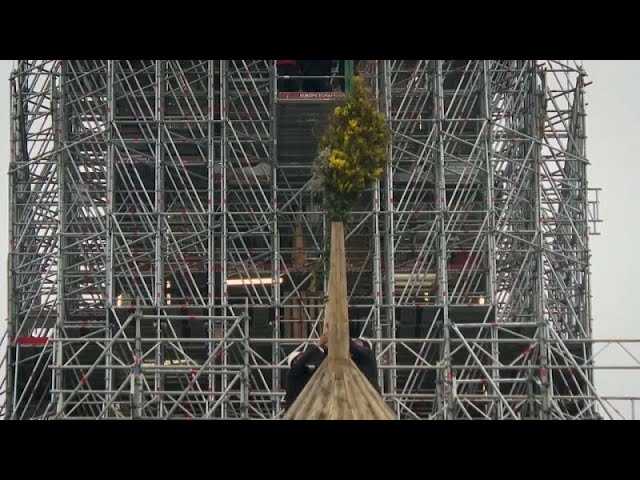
(352, 153)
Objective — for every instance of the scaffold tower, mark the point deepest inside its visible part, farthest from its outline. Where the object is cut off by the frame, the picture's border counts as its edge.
(167, 252)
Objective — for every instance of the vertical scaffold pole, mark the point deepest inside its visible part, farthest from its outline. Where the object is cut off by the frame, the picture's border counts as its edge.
(224, 84)
(275, 238)
(211, 216)
(136, 377)
(441, 202)
(58, 132)
(109, 286)
(348, 76)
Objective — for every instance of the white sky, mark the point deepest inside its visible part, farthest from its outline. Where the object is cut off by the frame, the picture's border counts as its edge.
(613, 121)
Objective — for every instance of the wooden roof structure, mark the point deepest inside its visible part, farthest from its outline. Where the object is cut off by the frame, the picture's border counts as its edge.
(338, 390)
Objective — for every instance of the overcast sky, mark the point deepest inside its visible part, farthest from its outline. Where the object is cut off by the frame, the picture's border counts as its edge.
(613, 127)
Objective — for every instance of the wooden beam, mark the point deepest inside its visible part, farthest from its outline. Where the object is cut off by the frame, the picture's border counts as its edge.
(338, 390)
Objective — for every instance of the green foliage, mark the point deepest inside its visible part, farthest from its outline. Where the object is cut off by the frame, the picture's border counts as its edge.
(352, 153)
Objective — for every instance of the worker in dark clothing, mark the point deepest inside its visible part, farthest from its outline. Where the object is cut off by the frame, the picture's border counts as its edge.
(302, 365)
(288, 68)
(364, 357)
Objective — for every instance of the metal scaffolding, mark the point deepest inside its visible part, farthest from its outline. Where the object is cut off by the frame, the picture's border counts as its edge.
(167, 252)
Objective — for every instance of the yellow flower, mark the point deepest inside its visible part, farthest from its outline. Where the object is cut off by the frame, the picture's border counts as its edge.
(353, 150)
